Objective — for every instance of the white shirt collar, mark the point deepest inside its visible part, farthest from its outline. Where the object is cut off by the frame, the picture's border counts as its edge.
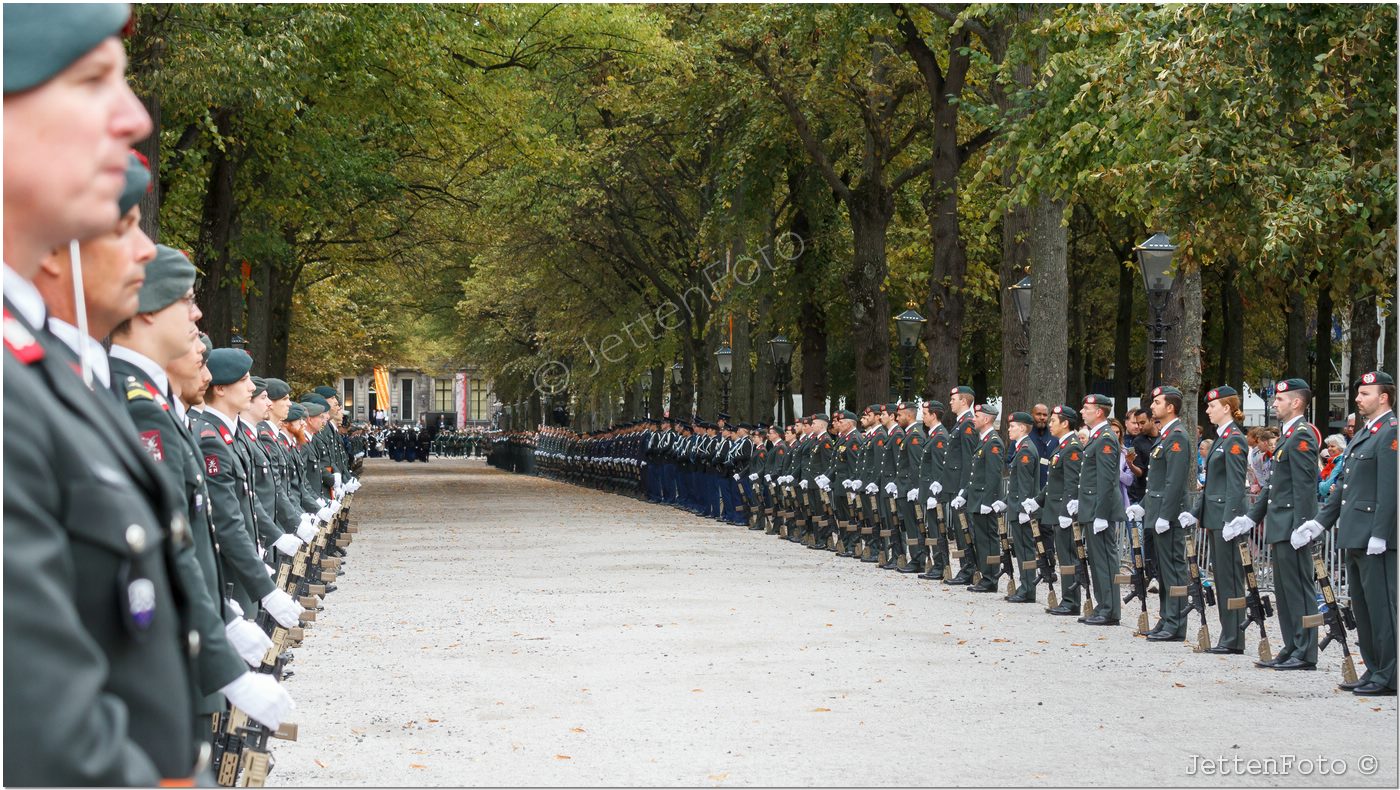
(964, 414)
(147, 366)
(25, 297)
(1094, 429)
(1167, 428)
(984, 433)
(231, 422)
(1289, 425)
(179, 407)
(96, 354)
(1371, 422)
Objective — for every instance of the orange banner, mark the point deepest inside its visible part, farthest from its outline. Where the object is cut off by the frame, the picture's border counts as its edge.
(381, 387)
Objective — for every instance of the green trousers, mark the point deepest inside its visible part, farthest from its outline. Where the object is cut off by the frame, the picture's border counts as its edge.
(1229, 583)
(1103, 566)
(1169, 549)
(1371, 582)
(1023, 545)
(1065, 555)
(1294, 592)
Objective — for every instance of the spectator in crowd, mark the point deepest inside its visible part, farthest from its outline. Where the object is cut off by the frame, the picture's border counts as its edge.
(1332, 450)
(1125, 474)
(1202, 453)
(1044, 442)
(1350, 430)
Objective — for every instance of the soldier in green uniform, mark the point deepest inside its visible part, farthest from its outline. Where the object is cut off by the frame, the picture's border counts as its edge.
(1288, 502)
(159, 336)
(1061, 485)
(1222, 501)
(1362, 508)
(984, 494)
(931, 475)
(843, 470)
(873, 476)
(1170, 464)
(818, 462)
(98, 664)
(1098, 507)
(957, 473)
(1023, 484)
(908, 466)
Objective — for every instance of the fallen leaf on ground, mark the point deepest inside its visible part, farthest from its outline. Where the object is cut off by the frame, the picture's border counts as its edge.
(696, 691)
(821, 710)
(323, 765)
(1179, 685)
(575, 729)
(562, 757)
(416, 765)
(999, 639)
(718, 777)
(1078, 644)
(962, 641)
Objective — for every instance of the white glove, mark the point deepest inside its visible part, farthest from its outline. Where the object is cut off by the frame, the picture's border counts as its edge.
(935, 488)
(1186, 519)
(958, 502)
(336, 477)
(249, 640)
(984, 509)
(233, 605)
(1024, 518)
(335, 507)
(1100, 524)
(1072, 507)
(768, 478)
(998, 506)
(823, 480)
(271, 571)
(1135, 512)
(1239, 525)
(321, 501)
(306, 530)
(871, 488)
(288, 544)
(1029, 505)
(736, 477)
(931, 504)
(913, 495)
(325, 514)
(1163, 525)
(261, 697)
(1065, 522)
(802, 484)
(283, 609)
(753, 477)
(891, 489)
(856, 485)
(1301, 536)
(824, 486)
(1375, 546)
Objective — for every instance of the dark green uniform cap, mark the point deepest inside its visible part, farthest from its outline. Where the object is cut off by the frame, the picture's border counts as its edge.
(845, 414)
(259, 386)
(1220, 392)
(169, 276)
(987, 409)
(1098, 400)
(296, 412)
(1376, 377)
(312, 397)
(228, 365)
(208, 344)
(277, 389)
(138, 182)
(313, 409)
(1022, 417)
(326, 392)
(43, 39)
(1293, 385)
(963, 389)
(935, 406)
(1066, 413)
(1166, 390)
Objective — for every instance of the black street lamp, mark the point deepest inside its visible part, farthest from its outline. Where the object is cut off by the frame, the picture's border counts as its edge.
(238, 341)
(1155, 260)
(646, 396)
(1266, 391)
(1021, 300)
(909, 325)
(780, 348)
(724, 359)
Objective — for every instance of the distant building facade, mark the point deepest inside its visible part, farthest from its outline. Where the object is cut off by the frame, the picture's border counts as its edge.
(459, 397)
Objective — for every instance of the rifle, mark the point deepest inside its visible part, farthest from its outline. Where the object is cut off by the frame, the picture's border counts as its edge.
(1137, 577)
(888, 535)
(967, 541)
(940, 516)
(244, 759)
(1198, 597)
(867, 524)
(1008, 565)
(1260, 608)
(1337, 618)
(1081, 570)
(1042, 563)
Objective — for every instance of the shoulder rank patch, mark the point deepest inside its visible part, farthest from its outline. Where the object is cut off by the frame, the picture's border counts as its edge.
(996, 449)
(207, 433)
(1176, 447)
(1107, 449)
(939, 445)
(880, 442)
(211, 465)
(20, 341)
(151, 441)
(138, 392)
(1025, 458)
(1234, 449)
(1074, 456)
(915, 440)
(1303, 446)
(227, 436)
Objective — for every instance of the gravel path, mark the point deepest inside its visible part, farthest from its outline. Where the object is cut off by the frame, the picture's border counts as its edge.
(495, 629)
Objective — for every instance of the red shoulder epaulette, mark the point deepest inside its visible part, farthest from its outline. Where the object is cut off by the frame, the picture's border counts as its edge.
(20, 341)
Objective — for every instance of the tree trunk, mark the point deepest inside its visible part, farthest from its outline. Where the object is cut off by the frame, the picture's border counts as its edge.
(658, 387)
(1123, 340)
(1296, 336)
(212, 254)
(1365, 331)
(1182, 366)
(944, 306)
(1015, 352)
(1049, 346)
(871, 210)
(1322, 370)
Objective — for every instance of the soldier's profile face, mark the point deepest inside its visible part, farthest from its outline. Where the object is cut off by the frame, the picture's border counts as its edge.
(65, 147)
(1368, 401)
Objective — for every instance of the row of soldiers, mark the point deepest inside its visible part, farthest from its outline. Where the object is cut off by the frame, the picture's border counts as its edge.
(171, 521)
(452, 443)
(897, 486)
(408, 443)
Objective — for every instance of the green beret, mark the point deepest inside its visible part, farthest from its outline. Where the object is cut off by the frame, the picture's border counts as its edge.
(1022, 417)
(168, 278)
(208, 344)
(963, 389)
(1293, 385)
(987, 409)
(43, 39)
(327, 392)
(1102, 401)
(313, 409)
(138, 182)
(277, 389)
(259, 386)
(1066, 413)
(1376, 377)
(296, 412)
(1220, 392)
(312, 397)
(1167, 390)
(935, 406)
(228, 365)
(846, 414)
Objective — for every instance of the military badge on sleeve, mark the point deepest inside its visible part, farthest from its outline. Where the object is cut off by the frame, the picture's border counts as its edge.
(151, 441)
(211, 465)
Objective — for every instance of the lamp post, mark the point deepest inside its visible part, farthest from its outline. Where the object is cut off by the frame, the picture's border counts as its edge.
(1155, 259)
(238, 341)
(1266, 391)
(780, 348)
(724, 359)
(646, 396)
(1021, 300)
(909, 325)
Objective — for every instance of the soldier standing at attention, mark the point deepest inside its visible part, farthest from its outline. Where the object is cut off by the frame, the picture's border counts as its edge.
(1024, 484)
(984, 497)
(1222, 501)
(1098, 506)
(931, 474)
(1363, 509)
(1287, 503)
(958, 470)
(908, 465)
(1061, 485)
(1170, 465)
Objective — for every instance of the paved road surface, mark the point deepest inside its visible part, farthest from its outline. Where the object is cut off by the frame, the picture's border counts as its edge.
(494, 629)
